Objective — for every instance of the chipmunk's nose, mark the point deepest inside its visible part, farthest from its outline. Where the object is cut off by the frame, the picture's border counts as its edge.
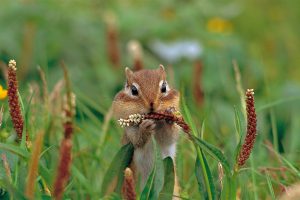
(151, 107)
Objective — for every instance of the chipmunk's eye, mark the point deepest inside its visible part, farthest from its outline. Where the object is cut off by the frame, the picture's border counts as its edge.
(163, 88)
(134, 90)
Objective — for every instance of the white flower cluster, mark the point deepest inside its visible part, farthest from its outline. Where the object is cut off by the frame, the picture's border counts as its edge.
(250, 91)
(132, 119)
(66, 107)
(12, 64)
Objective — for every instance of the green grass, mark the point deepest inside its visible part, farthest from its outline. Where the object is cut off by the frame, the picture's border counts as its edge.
(263, 40)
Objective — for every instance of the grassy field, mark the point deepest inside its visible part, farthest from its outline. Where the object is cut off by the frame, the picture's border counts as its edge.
(67, 50)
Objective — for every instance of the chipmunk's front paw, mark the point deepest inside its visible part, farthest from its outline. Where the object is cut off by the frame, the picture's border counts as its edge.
(146, 129)
(147, 126)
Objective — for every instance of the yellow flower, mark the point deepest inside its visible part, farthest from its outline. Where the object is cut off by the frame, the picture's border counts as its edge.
(219, 25)
(3, 93)
(168, 14)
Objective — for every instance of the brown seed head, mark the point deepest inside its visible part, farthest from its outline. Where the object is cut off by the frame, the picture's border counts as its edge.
(169, 115)
(136, 52)
(63, 170)
(197, 87)
(128, 189)
(13, 99)
(112, 40)
(251, 129)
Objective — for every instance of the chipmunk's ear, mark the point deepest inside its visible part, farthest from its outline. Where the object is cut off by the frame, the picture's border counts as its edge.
(128, 74)
(162, 71)
(161, 68)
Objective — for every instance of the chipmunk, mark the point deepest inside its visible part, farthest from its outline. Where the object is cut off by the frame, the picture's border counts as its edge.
(147, 91)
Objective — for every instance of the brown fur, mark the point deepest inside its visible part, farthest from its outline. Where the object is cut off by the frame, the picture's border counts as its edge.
(149, 96)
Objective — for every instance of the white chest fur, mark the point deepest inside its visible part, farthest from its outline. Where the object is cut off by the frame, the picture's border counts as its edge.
(144, 158)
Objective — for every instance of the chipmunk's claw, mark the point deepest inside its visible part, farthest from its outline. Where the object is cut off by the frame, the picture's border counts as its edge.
(147, 125)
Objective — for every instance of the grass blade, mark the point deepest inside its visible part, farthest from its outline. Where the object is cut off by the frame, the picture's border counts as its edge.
(81, 178)
(155, 181)
(200, 177)
(169, 179)
(14, 193)
(286, 162)
(145, 195)
(214, 152)
(26, 122)
(15, 150)
(113, 178)
(188, 116)
(33, 165)
(253, 178)
(274, 129)
(238, 128)
(46, 175)
(278, 102)
(270, 187)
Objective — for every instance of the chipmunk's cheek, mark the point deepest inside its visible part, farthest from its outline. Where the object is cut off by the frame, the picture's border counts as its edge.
(161, 107)
(139, 109)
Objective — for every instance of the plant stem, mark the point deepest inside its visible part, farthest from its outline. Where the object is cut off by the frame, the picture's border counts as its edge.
(228, 189)
(198, 151)
(207, 185)
(274, 130)
(253, 178)
(232, 185)
(270, 186)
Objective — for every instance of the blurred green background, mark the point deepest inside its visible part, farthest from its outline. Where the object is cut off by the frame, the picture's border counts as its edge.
(262, 36)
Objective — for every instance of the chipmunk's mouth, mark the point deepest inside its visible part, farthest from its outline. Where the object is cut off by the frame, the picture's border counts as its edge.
(151, 110)
(152, 107)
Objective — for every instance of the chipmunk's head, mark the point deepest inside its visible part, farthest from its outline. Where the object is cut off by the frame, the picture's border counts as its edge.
(145, 91)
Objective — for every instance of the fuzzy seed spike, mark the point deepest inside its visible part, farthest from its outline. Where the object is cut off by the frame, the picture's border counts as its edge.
(13, 99)
(251, 129)
(128, 189)
(173, 116)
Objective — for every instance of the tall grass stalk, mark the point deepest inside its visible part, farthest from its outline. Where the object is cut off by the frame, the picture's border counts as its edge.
(271, 190)
(239, 86)
(65, 160)
(274, 129)
(253, 177)
(198, 151)
(6, 167)
(33, 166)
